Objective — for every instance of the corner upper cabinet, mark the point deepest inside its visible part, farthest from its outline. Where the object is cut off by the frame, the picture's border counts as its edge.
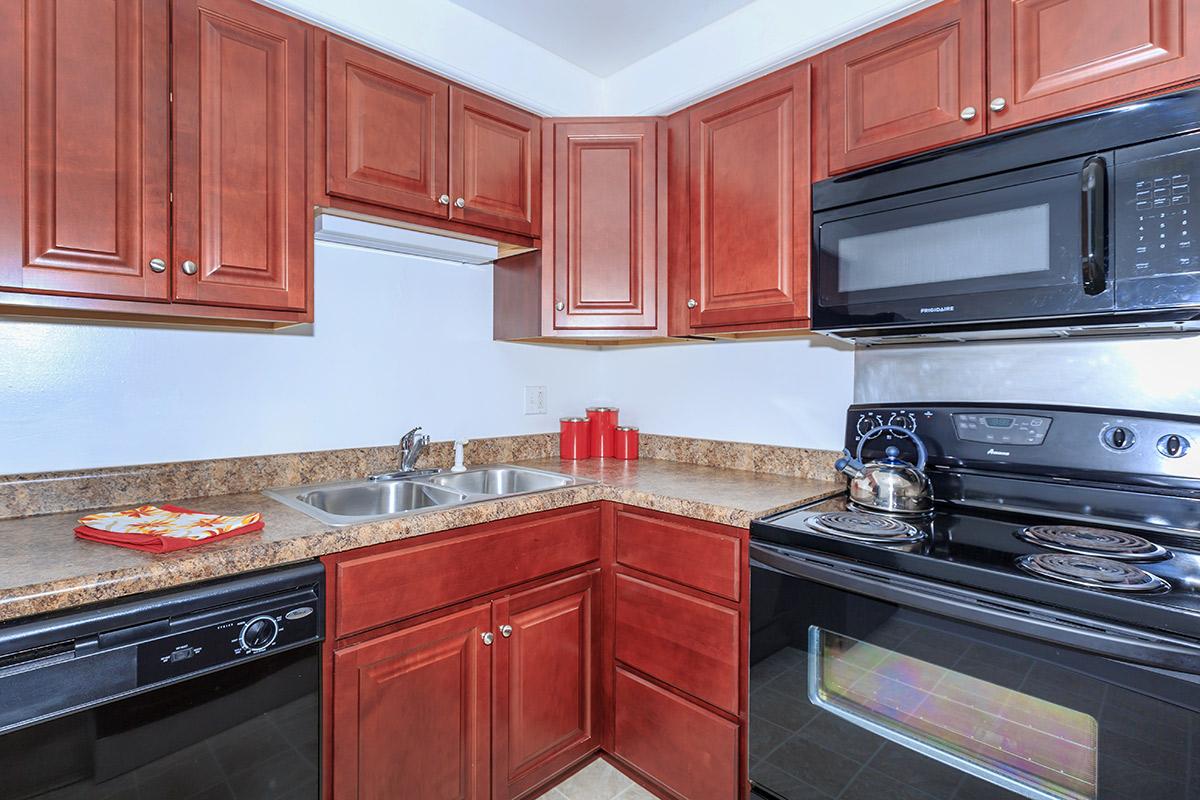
(387, 125)
(495, 164)
(914, 85)
(749, 205)
(242, 225)
(1049, 58)
(84, 208)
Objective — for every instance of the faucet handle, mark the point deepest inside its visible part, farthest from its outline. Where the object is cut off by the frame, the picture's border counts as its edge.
(407, 440)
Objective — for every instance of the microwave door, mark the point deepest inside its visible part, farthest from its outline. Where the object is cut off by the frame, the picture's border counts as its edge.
(976, 252)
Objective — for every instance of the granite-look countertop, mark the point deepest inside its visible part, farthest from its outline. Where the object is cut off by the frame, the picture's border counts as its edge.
(43, 567)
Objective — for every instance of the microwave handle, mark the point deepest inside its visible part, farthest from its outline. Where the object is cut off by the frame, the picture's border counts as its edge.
(1093, 183)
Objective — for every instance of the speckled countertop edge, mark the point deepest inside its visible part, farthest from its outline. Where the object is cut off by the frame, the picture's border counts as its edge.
(63, 572)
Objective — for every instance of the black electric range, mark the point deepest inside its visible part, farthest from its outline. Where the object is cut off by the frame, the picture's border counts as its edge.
(1037, 635)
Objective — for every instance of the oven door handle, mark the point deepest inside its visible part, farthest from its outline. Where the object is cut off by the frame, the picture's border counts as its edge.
(1093, 185)
(1047, 625)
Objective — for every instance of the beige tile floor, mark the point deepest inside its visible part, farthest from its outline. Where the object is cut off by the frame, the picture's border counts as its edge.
(597, 781)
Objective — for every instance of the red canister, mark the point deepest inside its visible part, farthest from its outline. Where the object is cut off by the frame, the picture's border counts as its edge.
(625, 443)
(602, 419)
(574, 441)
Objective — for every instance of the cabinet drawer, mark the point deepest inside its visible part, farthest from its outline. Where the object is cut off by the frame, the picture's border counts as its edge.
(686, 554)
(687, 749)
(691, 644)
(378, 589)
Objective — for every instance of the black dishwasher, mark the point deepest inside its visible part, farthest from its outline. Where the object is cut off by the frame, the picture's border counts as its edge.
(209, 692)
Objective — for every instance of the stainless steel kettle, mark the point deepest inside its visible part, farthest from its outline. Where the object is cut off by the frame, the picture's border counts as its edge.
(892, 485)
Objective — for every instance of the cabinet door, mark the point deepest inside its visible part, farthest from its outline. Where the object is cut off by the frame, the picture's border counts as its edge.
(915, 85)
(410, 712)
(750, 202)
(387, 128)
(1050, 58)
(495, 164)
(606, 225)
(85, 203)
(241, 214)
(547, 673)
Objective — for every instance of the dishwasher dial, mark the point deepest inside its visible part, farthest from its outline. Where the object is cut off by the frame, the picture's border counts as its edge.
(259, 634)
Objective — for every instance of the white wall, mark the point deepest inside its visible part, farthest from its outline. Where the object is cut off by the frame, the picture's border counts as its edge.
(396, 342)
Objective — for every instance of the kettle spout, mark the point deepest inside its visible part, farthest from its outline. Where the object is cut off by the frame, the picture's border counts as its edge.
(848, 465)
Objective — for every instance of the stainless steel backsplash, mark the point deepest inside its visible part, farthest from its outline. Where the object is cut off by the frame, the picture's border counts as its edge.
(1152, 373)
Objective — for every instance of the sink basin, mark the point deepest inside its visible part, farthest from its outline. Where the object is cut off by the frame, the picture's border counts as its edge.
(497, 481)
(349, 502)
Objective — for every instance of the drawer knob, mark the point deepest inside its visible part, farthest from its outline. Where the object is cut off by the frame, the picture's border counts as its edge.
(488, 637)
(506, 631)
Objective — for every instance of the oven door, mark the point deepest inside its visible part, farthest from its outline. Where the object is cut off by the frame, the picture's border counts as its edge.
(1022, 245)
(869, 685)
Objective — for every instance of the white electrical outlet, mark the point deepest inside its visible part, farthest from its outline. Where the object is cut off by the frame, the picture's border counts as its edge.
(535, 399)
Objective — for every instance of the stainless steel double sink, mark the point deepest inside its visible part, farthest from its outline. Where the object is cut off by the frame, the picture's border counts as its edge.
(365, 500)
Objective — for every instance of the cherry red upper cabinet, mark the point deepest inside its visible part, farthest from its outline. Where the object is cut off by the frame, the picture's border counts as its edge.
(242, 223)
(84, 207)
(495, 164)
(387, 128)
(1049, 58)
(914, 85)
(750, 202)
(608, 270)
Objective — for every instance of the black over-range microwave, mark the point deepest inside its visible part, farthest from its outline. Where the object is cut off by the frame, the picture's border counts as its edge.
(1081, 225)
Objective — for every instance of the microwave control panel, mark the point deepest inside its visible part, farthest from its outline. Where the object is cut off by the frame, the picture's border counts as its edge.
(1155, 216)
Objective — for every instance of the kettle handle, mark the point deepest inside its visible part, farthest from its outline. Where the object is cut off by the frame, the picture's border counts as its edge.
(921, 452)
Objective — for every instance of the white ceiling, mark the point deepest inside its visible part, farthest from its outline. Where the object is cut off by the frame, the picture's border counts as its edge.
(602, 36)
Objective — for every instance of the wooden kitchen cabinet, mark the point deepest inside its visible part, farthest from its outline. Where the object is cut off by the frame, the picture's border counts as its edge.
(1050, 58)
(547, 673)
(914, 85)
(96, 150)
(400, 139)
(411, 712)
(601, 272)
(750, 204)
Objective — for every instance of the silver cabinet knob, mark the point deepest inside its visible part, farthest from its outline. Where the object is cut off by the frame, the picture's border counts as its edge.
(488, 637)
(692, 302)
(444, 199)
(506, 631)
(158, 265)
(189, 267)
(460, 203)
(559, 306)
(967, 114)
(998, 104)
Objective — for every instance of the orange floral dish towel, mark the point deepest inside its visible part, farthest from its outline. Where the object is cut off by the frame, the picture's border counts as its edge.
(160, 529)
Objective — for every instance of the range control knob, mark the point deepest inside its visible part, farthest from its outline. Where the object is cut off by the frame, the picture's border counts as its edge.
(1173, 446)
(1118, 437)
(259, 634)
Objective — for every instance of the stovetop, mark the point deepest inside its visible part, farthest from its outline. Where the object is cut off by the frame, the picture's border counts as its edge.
(983, 550)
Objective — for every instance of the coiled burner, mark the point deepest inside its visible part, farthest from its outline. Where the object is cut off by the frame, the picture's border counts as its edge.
(865, 527)
(1093, 541)
(1092, 572)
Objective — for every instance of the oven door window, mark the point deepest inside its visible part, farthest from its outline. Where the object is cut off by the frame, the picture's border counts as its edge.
(1006, 252)
(855, 698)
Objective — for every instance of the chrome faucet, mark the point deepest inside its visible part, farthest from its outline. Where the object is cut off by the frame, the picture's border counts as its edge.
(411, 447)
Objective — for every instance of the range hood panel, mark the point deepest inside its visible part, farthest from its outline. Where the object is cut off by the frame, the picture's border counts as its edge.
(395, 239)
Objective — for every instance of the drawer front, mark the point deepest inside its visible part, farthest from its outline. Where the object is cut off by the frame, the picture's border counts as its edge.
(687, 554)
(385, 587)
(687, 749)
(689, 643)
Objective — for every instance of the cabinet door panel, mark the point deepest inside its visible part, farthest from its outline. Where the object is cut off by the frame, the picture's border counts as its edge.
(606, 248)
(903, 89)
(546, 679)
(496, 163)
(1055, 57)
(85, 203)
(241, 209)
(750, 202)
(410, 712)
(387, 126)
